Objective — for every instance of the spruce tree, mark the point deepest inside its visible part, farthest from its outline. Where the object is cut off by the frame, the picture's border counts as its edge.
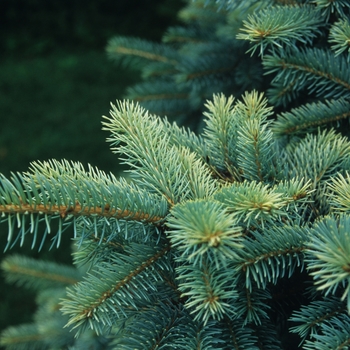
(234, 234)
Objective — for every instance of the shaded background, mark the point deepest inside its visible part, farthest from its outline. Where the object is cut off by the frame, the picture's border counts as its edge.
(55, 84)
(55, 78)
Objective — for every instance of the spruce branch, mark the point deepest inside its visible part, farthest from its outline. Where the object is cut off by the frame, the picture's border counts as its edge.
(143, 140)
(254, 144)
(254, 105)
(271, 255)
(329, 256)
(280, 25)
(187, 35)
(238, 337)
(203, 229)
(206, 337)
(340, 195)
(267, 336)
(256, 156)
(120, 285)
(315, 70)
(232, 5)
(156, 328)
(340, 7)
(137, 52)
(210, 293)
(330, 155)
(252, 306)
(180, 136)
(24, 337)
(163, 97)
(49, 192)
(38, 275)
(311, 316)
(309, 117)
(339, 36)
(333, 335)
(210, 71)
(161, 325)
(253, 203)
(233, 129)
(296, 193)
(92, 248)
(202, 13)
(219, 133)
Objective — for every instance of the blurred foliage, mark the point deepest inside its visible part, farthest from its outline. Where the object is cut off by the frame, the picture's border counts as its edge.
(52, 108)
(56, 80)
(32, 27)
(55, 83)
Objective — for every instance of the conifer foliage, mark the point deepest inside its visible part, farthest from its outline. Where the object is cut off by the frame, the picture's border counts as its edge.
(234, 237)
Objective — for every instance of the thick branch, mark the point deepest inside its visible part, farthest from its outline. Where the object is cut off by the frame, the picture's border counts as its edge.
(89, 312)
(78, 210)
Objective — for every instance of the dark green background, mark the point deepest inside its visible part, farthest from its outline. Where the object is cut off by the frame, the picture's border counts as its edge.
(55, 84)
(55, 78)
